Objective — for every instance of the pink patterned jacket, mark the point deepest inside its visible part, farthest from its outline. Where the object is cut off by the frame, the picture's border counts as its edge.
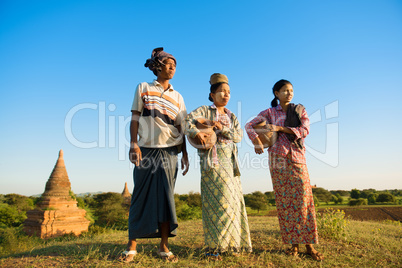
(276, 116)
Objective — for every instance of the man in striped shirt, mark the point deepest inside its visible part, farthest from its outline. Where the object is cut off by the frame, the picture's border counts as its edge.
(157, 113)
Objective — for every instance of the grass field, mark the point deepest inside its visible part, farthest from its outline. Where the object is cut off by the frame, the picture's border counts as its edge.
(367, 244)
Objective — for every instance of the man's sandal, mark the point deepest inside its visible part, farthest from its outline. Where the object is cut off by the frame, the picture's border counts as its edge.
(128, 255)
(167, 256)
(293, 251)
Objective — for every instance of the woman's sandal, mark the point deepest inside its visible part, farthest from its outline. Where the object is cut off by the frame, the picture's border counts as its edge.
(168, 256)
(128, 255)
(293, 251)
(317, 256)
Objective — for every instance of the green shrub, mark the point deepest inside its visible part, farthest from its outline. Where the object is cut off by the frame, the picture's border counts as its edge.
(192, 199)
(83, 205)
(337, 199)
(271, 198)
(109, 210)
(8, 236)
(316, 201)
(96, 230)
(322, 194)
(80, 202)
(355, 194)
(20, 202)
(14, 240)
(185, 212)
(358, 202)
(372, 198)
(332, 224)
(256, 200)
(366, 192)
(10, 216)
(385, 198)
(340, 199)
(395, 192)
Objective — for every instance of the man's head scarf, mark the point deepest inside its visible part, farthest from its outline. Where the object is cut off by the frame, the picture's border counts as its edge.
(155, 63)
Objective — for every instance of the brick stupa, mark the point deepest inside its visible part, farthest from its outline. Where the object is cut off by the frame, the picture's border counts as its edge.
(126, 195)
(57, 212)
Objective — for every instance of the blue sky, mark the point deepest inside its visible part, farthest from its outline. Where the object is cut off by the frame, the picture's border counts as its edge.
(68, 71)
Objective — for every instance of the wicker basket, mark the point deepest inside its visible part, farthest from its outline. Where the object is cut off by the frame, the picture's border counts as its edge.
(206, 126)
(267, 137)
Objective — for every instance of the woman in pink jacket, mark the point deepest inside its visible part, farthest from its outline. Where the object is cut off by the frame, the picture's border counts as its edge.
(287, 162)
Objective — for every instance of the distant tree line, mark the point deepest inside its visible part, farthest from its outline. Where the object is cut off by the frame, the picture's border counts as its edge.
(110, 210)
(372, 196)
(107, 210)
(259, 201)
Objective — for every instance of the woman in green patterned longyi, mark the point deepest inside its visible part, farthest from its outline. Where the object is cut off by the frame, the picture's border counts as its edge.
(224, 214)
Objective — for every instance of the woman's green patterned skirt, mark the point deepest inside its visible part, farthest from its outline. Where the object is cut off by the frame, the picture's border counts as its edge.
(224, 214)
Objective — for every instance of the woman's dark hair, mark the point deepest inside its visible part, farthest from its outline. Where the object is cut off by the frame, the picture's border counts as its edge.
(278, 85)
(214, 88)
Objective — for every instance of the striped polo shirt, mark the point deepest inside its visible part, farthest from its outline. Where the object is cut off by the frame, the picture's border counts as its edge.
(161, 111)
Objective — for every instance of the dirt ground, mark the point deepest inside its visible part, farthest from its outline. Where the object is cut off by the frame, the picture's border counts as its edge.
(367, 213)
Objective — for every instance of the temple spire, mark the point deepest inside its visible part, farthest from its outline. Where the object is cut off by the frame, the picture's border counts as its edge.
(126, 195)
(126, 191)
(56, 212)
(58, 184)
(60, 160)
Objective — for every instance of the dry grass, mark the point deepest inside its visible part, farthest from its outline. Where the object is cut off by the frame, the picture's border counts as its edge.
(368, 244)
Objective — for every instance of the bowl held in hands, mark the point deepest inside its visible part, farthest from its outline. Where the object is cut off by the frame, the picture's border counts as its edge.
(206, 126)
(267, 137)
